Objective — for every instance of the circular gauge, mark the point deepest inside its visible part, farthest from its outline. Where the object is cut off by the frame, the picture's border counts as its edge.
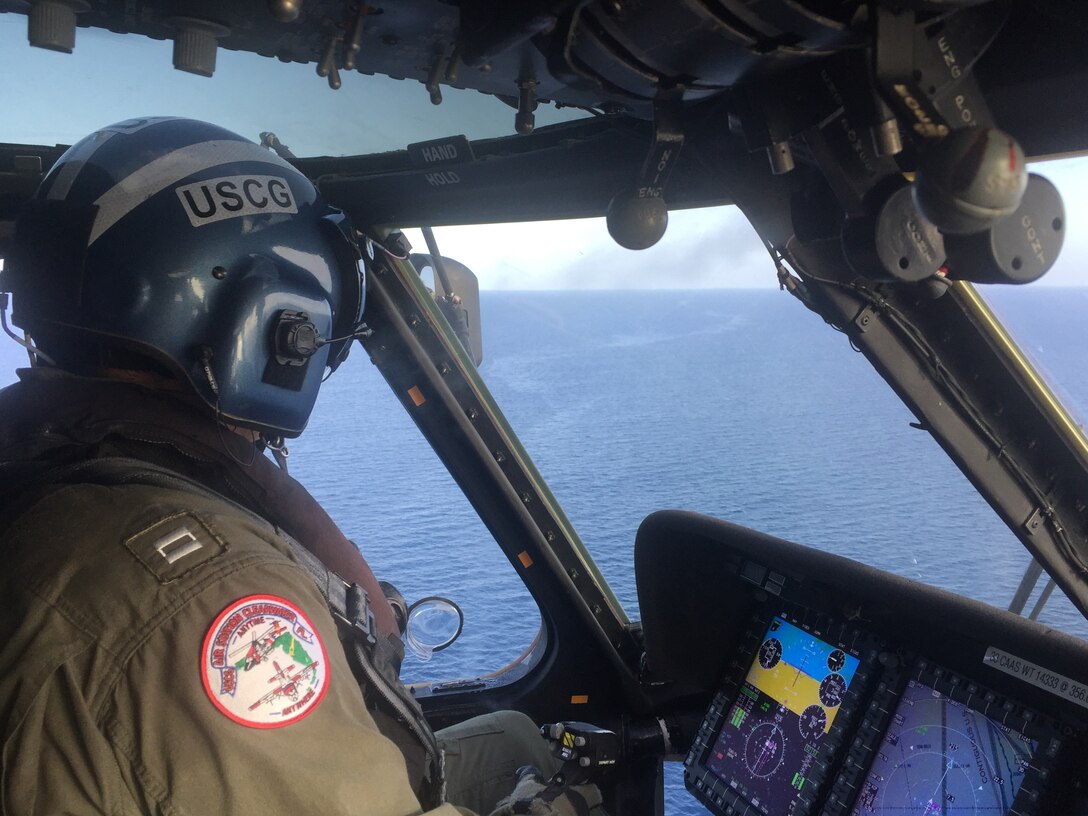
(836, 660)
(813, 722)
(770, 653)
(832, 690)
(764, 749)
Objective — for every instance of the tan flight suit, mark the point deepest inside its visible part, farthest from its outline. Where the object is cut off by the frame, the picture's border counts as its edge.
(102, 704)
(100, 678)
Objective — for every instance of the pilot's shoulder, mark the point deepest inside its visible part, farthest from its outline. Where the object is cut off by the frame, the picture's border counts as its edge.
(122, 555)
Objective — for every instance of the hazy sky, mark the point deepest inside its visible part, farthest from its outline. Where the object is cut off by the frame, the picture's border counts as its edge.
(709, 248)
(51, 98)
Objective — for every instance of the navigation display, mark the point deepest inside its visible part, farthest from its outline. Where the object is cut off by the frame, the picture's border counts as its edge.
(786, 705)
(942, 757)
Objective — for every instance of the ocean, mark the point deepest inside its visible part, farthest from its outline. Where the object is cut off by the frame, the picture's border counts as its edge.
(740, 404)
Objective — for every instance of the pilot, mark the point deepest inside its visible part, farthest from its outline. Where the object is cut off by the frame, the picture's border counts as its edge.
(164, 650)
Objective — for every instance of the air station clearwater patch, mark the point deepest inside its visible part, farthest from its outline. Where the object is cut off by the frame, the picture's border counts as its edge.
(263, 663)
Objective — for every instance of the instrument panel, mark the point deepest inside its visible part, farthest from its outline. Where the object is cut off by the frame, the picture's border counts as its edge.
(825, 721)
(841, 690)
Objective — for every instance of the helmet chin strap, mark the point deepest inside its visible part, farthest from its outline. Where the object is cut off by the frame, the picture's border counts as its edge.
(269, 441)
(219, 426)
(37, 356)
(206, 364)
(278, 448)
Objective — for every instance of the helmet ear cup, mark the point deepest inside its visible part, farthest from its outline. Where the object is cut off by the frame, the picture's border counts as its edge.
(296, 338)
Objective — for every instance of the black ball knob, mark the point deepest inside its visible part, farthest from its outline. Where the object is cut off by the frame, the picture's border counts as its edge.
(970, 179)
(634, 222)
(286, 11)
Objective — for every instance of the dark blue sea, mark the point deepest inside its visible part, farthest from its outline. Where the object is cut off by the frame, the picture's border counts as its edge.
(736, 403)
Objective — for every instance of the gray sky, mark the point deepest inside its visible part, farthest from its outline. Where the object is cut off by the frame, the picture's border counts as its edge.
(51, 97)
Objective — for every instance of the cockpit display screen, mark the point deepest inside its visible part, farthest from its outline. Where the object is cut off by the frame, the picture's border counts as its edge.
(772, 733)
(940, 757)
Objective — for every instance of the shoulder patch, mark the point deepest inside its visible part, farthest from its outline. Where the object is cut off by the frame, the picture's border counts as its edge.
(172, 546)
(263, 663)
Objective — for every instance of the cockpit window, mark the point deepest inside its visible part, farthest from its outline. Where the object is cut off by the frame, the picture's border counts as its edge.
(675, 377)
(110, 77)
(682, 377)
(1046, 319)
(371, 469)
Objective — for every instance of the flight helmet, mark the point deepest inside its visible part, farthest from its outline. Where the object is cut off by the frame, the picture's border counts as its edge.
(192, 247)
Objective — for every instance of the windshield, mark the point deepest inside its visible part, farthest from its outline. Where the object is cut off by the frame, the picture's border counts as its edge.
(680, 376)
(633, 395)
(701, 399)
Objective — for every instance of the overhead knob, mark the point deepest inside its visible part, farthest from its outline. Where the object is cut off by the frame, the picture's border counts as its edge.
(893, 242)
(195, 44)
(51, 24)
(970, 179)
(1018, 249)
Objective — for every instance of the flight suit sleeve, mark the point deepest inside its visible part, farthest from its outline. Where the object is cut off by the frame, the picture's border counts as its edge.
(275, 725)
(199, 672)
(55, 759)
(195, 745)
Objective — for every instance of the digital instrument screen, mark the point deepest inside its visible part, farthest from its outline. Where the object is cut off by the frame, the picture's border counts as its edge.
(940, 757)
(785, 707)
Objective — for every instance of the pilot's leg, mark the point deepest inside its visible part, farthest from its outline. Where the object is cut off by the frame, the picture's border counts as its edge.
(484, 753)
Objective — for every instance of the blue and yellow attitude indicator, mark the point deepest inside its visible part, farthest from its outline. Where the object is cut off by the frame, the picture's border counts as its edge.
(802, 673)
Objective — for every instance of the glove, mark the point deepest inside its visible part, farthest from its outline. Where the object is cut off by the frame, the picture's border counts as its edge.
(535, 796)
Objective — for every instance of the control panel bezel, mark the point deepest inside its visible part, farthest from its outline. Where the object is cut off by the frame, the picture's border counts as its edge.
(836, 779)
(730, 796)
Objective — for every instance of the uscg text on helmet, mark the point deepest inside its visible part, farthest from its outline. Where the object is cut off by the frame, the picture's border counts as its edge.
(206, 202)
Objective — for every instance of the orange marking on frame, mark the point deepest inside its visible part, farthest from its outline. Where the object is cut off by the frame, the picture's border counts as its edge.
(416, 395)
(579, 699)
(525, 559)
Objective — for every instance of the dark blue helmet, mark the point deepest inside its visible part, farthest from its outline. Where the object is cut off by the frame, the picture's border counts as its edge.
(183, 242)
